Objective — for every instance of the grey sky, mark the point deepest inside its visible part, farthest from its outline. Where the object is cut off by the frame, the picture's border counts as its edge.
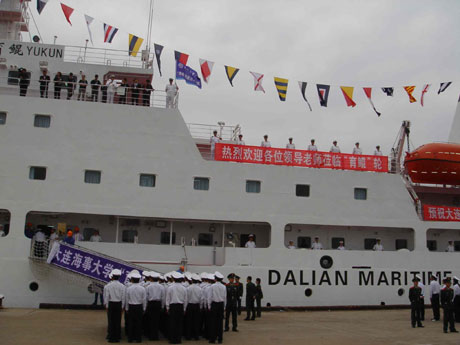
(342, 43)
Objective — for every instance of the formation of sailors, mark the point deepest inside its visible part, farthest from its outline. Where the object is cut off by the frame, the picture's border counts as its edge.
(176, 305)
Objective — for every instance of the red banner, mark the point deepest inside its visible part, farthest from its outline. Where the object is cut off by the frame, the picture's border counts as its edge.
(441, 213)
(299, 158)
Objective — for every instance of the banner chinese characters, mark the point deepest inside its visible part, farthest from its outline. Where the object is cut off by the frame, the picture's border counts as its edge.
(441, 213)
(299, 158)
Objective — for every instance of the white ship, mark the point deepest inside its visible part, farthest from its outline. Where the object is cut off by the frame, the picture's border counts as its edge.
(142, 177)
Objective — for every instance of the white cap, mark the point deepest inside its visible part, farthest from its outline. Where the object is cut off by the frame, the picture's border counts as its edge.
(196, 277)
(135, 274)
(204, 275)
(146, 273)
(188, 275)
(116, 272)
(154, 274)
(251, 235)
(211, 276)
(218, 275)
(176, 275)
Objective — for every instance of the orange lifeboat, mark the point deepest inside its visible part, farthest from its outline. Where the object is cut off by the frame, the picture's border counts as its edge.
(435, 163)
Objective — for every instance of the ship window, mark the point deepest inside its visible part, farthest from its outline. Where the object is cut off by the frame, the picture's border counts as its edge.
(147, 180)
(432, 245)
(336, 241)
(252, 186)
(201, 183)
(165, 237)
(205, 239)
(360, 193)
(302, 190)
(128, 236)
(13, 77)
(42, 121)
(401, 244)
(303, 242)
(87, 233)
(2, 117)
(455, 201)
(37, 173)
(92, 176)
(369, 243)
(457, 246)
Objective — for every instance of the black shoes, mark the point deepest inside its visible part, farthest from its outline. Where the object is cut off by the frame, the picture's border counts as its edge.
(234, 330)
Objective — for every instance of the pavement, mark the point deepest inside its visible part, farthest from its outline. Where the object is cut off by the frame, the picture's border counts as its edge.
(373, 327)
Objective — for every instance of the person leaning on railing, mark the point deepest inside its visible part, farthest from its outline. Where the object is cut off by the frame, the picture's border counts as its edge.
(146, 91)
(95, 85)
(71, 85)
(83, 83)
(23, 82)
(44, 83)
(122, 90)
(58, 84)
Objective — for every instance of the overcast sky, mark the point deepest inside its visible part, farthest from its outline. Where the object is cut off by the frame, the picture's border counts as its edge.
(342, 43)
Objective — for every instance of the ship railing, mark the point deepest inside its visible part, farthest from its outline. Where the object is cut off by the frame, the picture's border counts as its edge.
(156, 98)
(205, 131)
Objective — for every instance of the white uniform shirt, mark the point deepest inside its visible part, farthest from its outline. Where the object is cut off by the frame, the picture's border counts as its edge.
(316, 245)
(378, 247)
(204, 286)
(334, 149)
(176, 293)
(194, 294)
(240, 142)
(40, 236)
(136, 294)
(218, 293)
(111, 85)
(456, 290)
(265, 144)
(78, 237)
(156, 292)
(291, 247)
(378, 153)
(290, 146)
(54, 236)
(422, 286)
(206, 294)
(450, 248)
(250, 244)
(171, 90)
(95, 238)
(435, 288)
(341, 248)
(357, 151)
(114, 292)
(312, 148)
(213, 141)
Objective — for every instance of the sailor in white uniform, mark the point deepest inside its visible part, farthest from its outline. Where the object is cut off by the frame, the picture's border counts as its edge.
(218, 299)
(114, 301)
(96, 237)
(192, 316)
(171, 93)
(377, 151)
(291, 245)
(250, 243)
(450, 247)
(341, 246)
(334, 147)
(435, 291)
(378, 247)
(155, 302)
(357, 150)
(316, 244)
(136, 303)
(290, 145)
(176, 304)
(265, 143)
(312, 146)
(111, 86)
(214, 139)
(240, 140)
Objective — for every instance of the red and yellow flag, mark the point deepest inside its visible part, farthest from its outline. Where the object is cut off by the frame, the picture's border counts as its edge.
(348, 94)
(409, 90)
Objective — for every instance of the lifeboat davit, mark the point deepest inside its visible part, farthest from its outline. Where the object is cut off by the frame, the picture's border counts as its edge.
(436, 163)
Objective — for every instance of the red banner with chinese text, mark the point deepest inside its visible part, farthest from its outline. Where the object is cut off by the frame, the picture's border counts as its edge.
(299, 158)
(441, 213)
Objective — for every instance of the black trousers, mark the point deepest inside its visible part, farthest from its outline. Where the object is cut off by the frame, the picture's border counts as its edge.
(448, 319)
(154, 314)
(23, 90)
(176, 319)
(259, 307)
(250, 309)
(217, 321)
(435, 306)
(135, 313)
(231, 309)
(204, 322)
(192, 321)
(422, 309)
(239, 305)
(44, 91)
(114, 321)
(415, 313)
(457, 308)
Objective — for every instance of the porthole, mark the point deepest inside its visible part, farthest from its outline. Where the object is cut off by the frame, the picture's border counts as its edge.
(308, 292)
(33, 286)
(400, 291)
(326, 262)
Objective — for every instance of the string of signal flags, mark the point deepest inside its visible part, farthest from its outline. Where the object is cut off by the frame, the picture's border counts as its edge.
(190, 76)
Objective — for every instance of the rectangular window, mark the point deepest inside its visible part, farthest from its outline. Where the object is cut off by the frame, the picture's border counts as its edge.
(302, 190)
(205, 239)
(369, 243)
(92, 176)
(335, 241)
(432, 245)
(303, 242)
(401, 244)
(165, 237)
(128, 236)
(201, 183)
(42, 121)
(457, 246)
(2, 117)
(252, 186)
(13, 77)
(361, 193)
(37, 173)
(147, 180)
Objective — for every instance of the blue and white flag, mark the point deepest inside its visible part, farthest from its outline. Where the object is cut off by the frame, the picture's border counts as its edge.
(188, 74)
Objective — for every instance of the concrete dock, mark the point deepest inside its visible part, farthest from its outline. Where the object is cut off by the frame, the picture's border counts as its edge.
(373, 327)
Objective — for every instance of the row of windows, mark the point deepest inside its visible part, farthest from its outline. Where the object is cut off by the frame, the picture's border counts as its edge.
(43, 121)
(199, 183)
(305, 242)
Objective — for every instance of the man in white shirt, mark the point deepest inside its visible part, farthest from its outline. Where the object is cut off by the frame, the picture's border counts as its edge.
(111, 86)
(265, 143)
(53, 235)
(291, 245)
(171, 93)
(316, 244)
(77, 235)
(341, 246)
(250, 243)
(240, 140)
(377, 151)
(218, 300)
(2, 232)
(290, 145)
(312, 146)
(136, 303)
(378, 247)
(114, 301)
(357, 150)
(435, 290)
(95, 237)
(334, 147)
(450, 247)
(192, 316)
(155, 302)
(176, 304)
(213, 141)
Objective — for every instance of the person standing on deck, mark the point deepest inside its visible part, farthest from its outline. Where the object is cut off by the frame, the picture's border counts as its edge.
(251, 293)
(250, 243)
(435, 290)
(290, 144)
(240, 140)
(111, 86)
(334, 147)
(155, 302)
(192, 316)
(213, 141)
(450, 247)
(259, 297)
(136, 303)
(317, 244)
(265, 143)
(378, 247)
(95, 86)
(447, 296)
(44, 83)
(176, 304)
(357, 150)
(312, 146)
(171, 94)
(377, 151)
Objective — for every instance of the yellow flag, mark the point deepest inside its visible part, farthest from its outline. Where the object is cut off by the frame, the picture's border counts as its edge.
(231, 73)
(409, 90)
(134, 44)
(348, 94)
(281, 85)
